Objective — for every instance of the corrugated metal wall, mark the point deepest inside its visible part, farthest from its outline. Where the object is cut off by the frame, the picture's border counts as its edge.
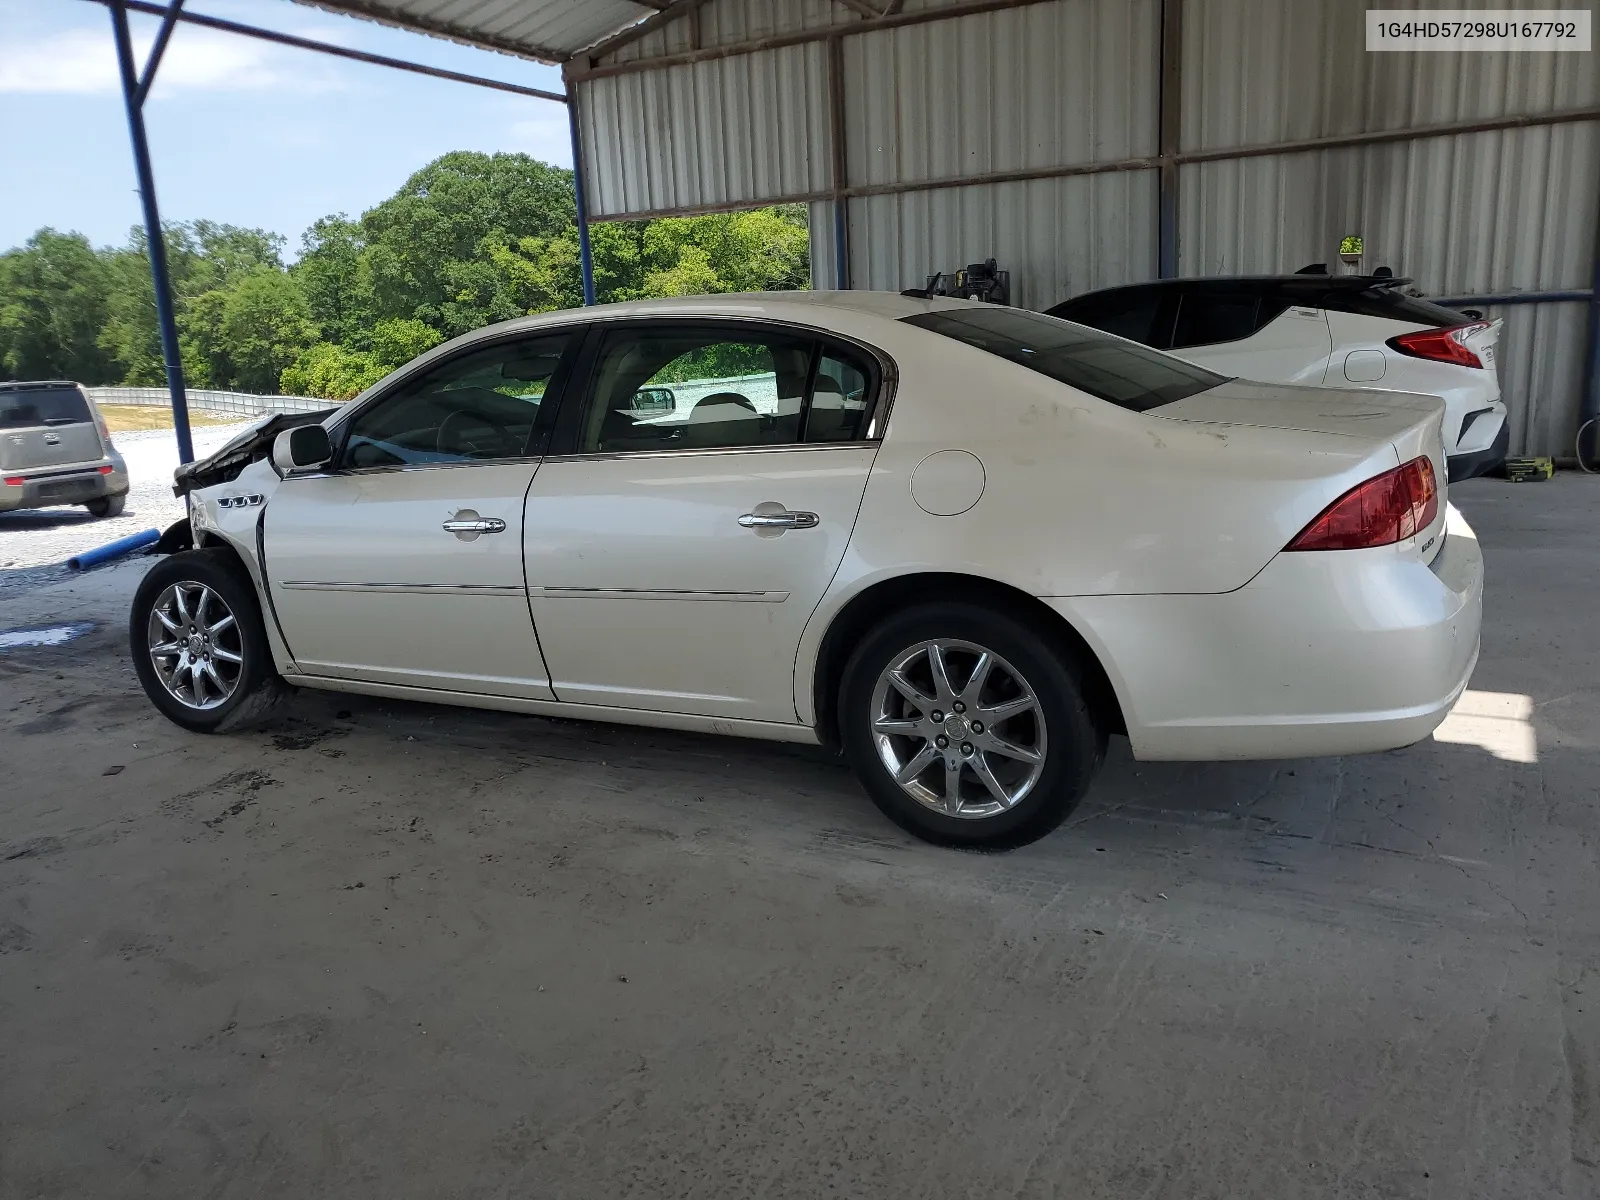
(1466, 214)
(733, 129)
(1073, 83)
(1057, 236)
(962, 97)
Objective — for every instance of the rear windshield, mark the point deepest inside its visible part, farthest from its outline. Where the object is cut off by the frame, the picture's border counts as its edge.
(42, 406)
(1123, 373)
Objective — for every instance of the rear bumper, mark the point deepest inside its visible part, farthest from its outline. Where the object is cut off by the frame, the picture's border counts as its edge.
(1480, 462)
(1322, 653)
(44, 489)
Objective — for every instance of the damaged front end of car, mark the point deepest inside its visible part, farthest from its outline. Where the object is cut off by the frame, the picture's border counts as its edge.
(224, 466)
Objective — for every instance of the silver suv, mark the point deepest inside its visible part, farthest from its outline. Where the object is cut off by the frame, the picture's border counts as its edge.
(55, 449)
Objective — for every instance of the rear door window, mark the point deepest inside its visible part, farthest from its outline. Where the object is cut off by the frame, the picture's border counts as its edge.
(1206, 318)
(729, 386)
(24, 408)
(1122, 373)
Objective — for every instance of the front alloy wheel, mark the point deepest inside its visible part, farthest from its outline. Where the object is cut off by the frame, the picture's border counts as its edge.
(195, 645)
(199, 645)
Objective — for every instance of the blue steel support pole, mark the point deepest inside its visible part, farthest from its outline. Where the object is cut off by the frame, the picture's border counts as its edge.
(580, 194)
(157, 245)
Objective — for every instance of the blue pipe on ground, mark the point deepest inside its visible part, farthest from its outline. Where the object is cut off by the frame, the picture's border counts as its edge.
(116, 549)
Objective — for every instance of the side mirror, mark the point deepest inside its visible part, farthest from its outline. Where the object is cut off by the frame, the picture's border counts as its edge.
(301, 448)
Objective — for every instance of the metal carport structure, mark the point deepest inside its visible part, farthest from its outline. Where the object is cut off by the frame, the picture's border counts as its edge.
(1086, 143)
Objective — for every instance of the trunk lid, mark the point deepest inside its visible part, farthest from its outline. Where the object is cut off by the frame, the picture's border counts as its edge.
(1408, 421)
(1406, 425)
(1481, 341)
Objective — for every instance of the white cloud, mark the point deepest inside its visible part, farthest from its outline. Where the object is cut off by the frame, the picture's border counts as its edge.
(83, 61)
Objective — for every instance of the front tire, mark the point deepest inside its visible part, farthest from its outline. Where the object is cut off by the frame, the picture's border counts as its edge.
(199, 644)
(967, 726)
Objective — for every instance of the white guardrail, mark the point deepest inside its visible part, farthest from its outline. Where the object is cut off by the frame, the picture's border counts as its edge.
(241, 404)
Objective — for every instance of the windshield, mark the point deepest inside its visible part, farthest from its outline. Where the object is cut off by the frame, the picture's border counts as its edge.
(24, 407)
(1123, 373)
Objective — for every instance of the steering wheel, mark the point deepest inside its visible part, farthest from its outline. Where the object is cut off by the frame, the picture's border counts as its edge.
(446, 442)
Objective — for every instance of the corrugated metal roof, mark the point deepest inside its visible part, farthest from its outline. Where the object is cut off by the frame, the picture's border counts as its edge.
(548, 30)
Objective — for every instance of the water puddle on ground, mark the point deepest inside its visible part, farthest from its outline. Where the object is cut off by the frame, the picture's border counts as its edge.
(45, 635)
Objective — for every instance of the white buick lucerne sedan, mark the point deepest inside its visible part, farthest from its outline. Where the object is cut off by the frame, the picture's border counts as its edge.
(963, 543)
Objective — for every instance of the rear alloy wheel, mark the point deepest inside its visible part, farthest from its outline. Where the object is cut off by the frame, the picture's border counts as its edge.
(107, 506)
(199, 647)
(967, 727)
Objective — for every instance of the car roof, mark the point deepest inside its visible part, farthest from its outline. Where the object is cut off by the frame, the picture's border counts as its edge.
(15, 385)
(1271, 285)
(793, 305)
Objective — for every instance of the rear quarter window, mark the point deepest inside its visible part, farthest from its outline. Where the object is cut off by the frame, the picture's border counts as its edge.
(1127, 312)
(22, 408)
(1117, 371)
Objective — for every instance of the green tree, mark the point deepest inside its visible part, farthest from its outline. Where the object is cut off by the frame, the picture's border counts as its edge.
(331, 274)
(202, 257)
(250, 329)
(331, 371)
(426, 245)
(53, 304)
(469, 240)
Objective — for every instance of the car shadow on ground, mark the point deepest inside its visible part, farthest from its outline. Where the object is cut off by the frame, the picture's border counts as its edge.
(20, 520)
(1403, 802)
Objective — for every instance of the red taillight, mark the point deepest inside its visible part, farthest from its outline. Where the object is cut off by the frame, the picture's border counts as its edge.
(106, 470)
(1386, 509)
(15, 481)
(1441, 345)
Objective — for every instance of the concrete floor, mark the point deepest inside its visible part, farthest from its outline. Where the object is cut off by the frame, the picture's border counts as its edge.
(393, 950)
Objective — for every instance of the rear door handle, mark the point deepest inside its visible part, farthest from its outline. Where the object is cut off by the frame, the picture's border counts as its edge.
(783, 520)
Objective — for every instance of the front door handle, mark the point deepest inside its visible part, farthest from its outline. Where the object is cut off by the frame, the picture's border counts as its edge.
(780, 520)
(476, 525)
(469, 526)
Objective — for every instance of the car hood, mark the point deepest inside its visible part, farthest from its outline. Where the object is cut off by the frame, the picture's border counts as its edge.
(240, 451)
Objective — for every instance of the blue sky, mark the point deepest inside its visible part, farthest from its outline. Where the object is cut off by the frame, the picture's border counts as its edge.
(241, 131)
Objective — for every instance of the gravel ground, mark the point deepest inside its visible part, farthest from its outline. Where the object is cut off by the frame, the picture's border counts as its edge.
(36, 542)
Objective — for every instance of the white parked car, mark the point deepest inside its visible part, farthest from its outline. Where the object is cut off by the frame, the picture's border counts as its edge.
(1346, 331)
(965, 543)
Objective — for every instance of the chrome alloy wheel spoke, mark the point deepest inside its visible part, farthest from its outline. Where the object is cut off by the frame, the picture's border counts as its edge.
(959, 728)
(195, 645)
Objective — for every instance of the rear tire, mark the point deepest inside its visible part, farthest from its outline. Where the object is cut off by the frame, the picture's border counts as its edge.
(994, 783)
(199, 644)
(107, 506)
